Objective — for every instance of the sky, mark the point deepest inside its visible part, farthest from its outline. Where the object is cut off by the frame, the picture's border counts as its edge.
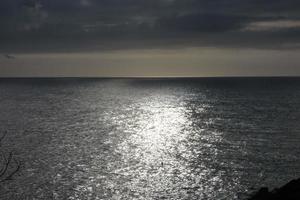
(104, 38)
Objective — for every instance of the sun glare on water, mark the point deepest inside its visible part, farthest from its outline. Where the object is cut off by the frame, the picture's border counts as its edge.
(156, 157)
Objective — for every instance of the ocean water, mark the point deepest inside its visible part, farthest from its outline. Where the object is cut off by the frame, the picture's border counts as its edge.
(213, 138)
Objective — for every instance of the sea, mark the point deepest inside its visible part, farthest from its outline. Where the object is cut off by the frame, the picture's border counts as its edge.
(148, 139)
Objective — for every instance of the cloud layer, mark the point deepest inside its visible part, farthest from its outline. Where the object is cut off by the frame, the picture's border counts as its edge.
(93, 25)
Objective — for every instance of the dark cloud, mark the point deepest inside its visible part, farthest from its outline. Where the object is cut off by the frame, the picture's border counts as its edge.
(202, 22)
(56, 25)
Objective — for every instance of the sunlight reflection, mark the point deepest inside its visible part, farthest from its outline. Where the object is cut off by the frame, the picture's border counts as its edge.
(160, 147)
(150, 153)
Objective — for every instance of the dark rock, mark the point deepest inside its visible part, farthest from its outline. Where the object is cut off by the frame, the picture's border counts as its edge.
(263, 193)
(290, 191)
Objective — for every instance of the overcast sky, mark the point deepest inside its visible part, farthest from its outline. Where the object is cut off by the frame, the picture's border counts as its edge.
(150, 37)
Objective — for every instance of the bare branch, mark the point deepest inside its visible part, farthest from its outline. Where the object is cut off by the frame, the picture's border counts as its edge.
(2, 137)
(7, 170)
(12, 173)
(7, 164)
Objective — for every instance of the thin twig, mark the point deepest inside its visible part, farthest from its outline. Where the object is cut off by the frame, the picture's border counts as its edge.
(7, 164)
(5, 172)
(9, 177)
(2, 137)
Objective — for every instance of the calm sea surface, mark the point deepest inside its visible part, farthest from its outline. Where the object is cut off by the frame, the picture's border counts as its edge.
(149, 138)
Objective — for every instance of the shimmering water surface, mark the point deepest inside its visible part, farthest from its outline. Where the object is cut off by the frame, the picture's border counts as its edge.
(150, 138)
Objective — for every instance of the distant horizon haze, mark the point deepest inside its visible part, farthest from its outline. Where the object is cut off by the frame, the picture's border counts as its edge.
(190, 62)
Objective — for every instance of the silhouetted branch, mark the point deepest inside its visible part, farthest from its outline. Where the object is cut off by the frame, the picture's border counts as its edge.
(2, 137)
(13, 172)
(7, 169)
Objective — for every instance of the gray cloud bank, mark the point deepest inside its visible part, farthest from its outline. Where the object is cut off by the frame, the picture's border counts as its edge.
(88, 25)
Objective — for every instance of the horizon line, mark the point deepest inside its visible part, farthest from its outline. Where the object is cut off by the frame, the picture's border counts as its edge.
(141, 77)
